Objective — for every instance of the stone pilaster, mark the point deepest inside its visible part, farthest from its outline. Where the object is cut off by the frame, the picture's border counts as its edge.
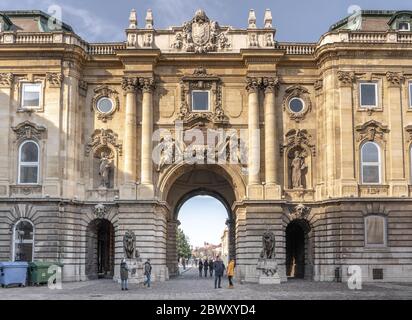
(272, 187)
(396, 167)
(147, 188)
(348, 184)
(130, 87)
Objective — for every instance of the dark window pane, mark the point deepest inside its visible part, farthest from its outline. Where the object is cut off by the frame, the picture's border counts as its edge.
(23, 251)
(375, 230)
(368, 95)
(404, 26)
(200, 101)
(29, 152)
(370, 174)
(24, 230)
(370, 153)
(28, 174)
(296, 105)
(410, 95)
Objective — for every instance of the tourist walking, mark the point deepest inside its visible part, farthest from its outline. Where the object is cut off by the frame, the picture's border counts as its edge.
(211, 267)
(205, 267)
(219, 269)
(231, 272)
(147, 273)
(200, 267)
(124, 274)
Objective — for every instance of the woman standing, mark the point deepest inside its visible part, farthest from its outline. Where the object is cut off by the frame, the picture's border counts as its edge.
(231, 272)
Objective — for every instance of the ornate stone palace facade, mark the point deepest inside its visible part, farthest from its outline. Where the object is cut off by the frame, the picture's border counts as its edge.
(328, 167)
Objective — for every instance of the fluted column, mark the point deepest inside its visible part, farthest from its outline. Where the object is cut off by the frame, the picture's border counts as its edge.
(130, 86)
(271, 152)
(253, 85)
(147, 85)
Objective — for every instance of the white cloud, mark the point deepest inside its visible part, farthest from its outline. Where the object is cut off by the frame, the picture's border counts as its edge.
(84, 22)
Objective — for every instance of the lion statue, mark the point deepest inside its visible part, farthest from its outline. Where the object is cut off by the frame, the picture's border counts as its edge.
(129, 244)
(268, 241)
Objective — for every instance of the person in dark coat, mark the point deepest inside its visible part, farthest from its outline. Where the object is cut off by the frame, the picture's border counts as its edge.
(200, 267)
(205, 267)
(219, 269)
(147, 273)
(124, 274)
(211, 267)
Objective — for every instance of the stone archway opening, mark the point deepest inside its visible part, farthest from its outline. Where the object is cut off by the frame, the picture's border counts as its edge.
(298, 253)
(198, 181)
(100, 249)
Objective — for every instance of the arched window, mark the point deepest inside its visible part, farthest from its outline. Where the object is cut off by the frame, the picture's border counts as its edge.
(23, 241)
(370, 163)
(29, 163)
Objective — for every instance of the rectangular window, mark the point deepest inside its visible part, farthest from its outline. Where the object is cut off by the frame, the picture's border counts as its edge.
(375, 231)
(404, 26)
(31, 95)
(200, 100)
(410, 94)
(370, 174)
(28, 174)
(369, 95)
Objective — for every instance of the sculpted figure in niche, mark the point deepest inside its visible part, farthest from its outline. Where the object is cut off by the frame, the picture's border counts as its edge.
(297, 167)
(104, 170)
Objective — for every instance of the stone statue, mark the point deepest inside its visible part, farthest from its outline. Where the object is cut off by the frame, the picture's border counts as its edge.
(297, 167)
(268, 242)
(129, 244)
(104, 170)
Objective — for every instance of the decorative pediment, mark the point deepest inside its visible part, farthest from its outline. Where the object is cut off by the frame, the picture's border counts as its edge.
(298, 138)
(299, 211)
(6, 80)
(54, 80)
(371, 131)
(201, 80)
(201, 35)
(102, 137)
(28, 130)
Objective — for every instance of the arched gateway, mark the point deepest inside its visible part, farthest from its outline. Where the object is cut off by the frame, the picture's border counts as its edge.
(183, 182)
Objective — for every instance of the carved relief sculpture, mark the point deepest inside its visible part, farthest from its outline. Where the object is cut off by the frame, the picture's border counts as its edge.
(104, 170)
(6, 80)
(54, 79)
(201, 35)
(100, 211)
(298, 167)
(268, 243)
(371, 131)
(29, 130)
(129, 245)
(299, 211)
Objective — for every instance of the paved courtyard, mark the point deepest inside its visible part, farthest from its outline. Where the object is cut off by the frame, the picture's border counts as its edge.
(190, 286)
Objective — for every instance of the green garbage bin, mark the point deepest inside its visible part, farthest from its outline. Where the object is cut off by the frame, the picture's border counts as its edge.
(38, 272)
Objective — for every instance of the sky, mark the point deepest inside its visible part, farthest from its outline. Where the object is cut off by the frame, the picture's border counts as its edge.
(203, 219)
(295, 20)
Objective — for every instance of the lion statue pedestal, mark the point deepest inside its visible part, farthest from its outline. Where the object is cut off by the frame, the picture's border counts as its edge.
(268, 271)
(135, 270)
(267, 266)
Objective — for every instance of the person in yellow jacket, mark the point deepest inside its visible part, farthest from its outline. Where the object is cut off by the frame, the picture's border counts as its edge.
(231, 272)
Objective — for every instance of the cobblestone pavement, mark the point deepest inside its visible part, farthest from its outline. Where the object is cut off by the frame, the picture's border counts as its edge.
(189, 286)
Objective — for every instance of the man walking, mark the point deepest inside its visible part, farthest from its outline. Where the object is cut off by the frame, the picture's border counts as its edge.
(211, 267)
(205, 267)
(147, 272)
(200, 267)
(219, 268)
(124, 274)
(231, 272)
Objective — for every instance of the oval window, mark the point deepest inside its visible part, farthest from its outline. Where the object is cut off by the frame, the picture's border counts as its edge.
(296, 105)
(105, 105)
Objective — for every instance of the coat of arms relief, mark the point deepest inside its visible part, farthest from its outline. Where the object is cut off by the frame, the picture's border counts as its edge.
(201, 35)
